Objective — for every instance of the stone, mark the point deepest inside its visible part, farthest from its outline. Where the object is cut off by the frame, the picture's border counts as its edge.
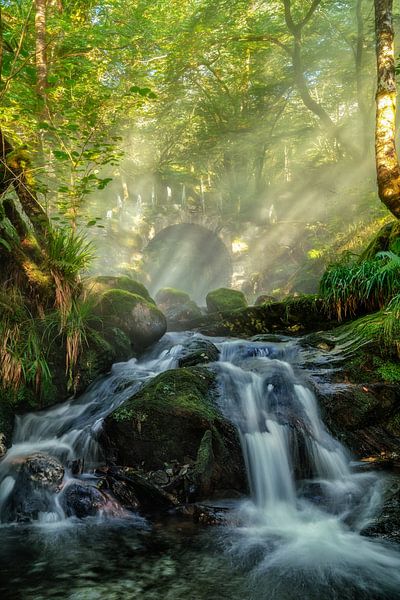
(102, 283)
(140, 320)
(177, 306)
(82, 500)
(38, 479)
(174, 411)
(225, 299)
(198, 351)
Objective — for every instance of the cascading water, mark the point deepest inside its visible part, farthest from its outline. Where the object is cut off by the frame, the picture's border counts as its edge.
(299, 533)
(69, 432)
(307, 506)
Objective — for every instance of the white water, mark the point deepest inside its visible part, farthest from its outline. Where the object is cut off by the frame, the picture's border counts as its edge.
(307, 506)
(69, 431)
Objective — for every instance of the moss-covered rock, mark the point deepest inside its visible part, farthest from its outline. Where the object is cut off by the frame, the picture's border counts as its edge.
(103, 283)
(198, 351)
(177, 307)
(167, 421)
(225, 299)
(140, 320)
(171, 297)
(294, 316)
(361, 401)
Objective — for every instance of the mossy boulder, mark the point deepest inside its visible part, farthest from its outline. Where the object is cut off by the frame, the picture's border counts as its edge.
(171, 296)
(294, 316)
(167, 421)
(102, 283)
(225, 299)
(360, 397)
(198, 351)
(139, 319)
(177, 306)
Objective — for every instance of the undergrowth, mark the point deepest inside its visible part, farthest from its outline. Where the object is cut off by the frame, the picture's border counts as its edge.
(28, 334)
(351, 287)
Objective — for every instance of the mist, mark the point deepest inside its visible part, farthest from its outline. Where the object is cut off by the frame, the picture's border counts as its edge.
(247, 161)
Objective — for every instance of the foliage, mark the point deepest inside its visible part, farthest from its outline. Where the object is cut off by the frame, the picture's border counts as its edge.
(23, 361)
(351, 287)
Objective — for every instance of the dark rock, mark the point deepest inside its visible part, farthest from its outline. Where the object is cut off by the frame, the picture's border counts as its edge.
(38, 478)
(148, 495)
(363, 416)
(206, 515)
(386, 524)
(198, 351)
(166, 421)
(294, 316)
(82, 500)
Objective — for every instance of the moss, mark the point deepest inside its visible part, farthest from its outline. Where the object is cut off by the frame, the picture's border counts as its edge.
(225, 299)
(184, 390)
(172, 296)
(103, 283)
(380, 242)
(205, 454)
(387, 370)
(117, 302)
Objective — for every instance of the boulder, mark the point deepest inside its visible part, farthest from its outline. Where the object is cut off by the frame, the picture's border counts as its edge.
(177, 306)
(41, 471)
(38, 478)
(386, 524)
(82, 500)
(173, 418)
(294, 316)
(198, 351)
(102, 283)
(140, 320)
(225, 300)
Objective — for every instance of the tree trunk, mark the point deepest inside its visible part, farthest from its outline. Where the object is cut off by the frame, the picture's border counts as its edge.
(13, 172)
(41, 54)
(387, 164)
(296, 30)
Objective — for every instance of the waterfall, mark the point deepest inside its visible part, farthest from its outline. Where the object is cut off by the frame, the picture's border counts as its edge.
(308, 504)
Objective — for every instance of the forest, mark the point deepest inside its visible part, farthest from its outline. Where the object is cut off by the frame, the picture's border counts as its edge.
(199, 300)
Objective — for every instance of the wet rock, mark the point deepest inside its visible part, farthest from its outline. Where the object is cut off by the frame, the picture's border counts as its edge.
(362, 416)
(3, 447)
(38, 478)
(41, 471)
(140, 320)
(198, 351)
(148, 495)
(225, 299)
(81, 500)
(386, 524)
(206, 515)
(165, 423)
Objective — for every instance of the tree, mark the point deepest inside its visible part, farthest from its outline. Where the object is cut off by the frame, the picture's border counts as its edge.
(387, 163)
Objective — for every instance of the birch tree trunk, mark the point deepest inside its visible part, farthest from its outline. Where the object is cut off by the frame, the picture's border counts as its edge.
(387, 164)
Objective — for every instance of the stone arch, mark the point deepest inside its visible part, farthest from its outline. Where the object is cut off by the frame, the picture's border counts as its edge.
(190, 257)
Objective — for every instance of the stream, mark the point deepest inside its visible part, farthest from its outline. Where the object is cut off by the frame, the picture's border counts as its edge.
(296, 536)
